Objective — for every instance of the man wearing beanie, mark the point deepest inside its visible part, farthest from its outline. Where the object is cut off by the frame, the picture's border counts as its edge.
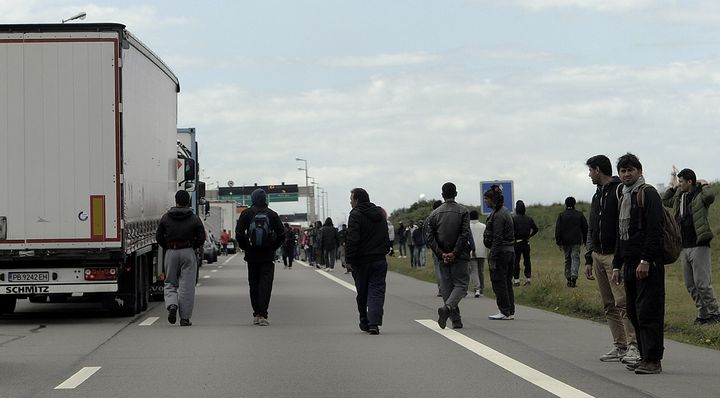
(448, 235)
(260, 233)
(180, 233)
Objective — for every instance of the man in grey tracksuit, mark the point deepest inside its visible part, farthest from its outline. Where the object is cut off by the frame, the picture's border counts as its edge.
(448, 235)
(180, 233)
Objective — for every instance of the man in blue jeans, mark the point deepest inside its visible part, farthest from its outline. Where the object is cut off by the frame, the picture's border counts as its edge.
(367, 243)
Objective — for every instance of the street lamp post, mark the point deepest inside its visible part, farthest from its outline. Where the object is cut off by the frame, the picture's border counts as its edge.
(316, 185)
(80, 15)
(306, 187)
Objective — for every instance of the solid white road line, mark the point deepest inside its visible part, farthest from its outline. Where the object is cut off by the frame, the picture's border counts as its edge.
(149, 321)
(214, 270)
(304, 264)
(206, 277)
(517, 368)
(78, 378)
(337, 280)
(231, 257)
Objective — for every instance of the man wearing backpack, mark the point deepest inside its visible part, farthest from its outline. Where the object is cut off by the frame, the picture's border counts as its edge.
(601, 241)
(638, 255)
(260, 233)
(690, 201)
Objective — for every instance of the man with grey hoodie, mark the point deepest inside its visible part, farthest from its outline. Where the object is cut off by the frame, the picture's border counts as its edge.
(180, 233)
(448, 235)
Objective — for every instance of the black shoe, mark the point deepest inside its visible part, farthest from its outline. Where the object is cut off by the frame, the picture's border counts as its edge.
(457, 324)
(172, 314)
(573, 282)
(185, 322)
(373, 329)
(569, 283)
(648, 368)
(443, 315)
(699, 321)
(364, 327)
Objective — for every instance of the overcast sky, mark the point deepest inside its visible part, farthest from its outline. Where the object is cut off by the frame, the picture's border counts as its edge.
(400, 96)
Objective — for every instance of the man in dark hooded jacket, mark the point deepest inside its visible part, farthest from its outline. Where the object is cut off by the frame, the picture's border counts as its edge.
(180, 233)
(525, 228)
(260, 258)
(366, 246)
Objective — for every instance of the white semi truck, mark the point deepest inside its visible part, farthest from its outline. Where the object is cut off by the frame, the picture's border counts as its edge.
(88, 164)
(222, 214)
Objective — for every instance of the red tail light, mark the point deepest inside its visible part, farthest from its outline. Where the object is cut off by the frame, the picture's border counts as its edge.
(100, 274)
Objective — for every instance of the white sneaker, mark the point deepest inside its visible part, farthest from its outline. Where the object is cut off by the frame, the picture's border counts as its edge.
(256, 320)
(615, 355)
(632, 355)
(501, 317)
(477, 293)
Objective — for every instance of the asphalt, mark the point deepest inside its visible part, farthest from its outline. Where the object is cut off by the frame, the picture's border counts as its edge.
(314, 348)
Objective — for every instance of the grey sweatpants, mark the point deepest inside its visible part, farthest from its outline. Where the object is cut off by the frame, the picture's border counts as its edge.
(697, 270)
(180, 279)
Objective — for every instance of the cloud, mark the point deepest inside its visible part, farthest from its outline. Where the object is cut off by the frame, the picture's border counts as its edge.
(405, 135)
(596, 5)
(381, 60)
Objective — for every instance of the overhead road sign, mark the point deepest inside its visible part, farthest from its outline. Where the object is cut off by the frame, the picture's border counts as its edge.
(276, 193)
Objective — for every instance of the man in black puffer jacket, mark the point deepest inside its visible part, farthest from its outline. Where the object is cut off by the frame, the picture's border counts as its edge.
(367, 244)
(525, 228)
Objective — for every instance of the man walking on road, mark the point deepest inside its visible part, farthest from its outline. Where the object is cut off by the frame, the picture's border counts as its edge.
(638, 255)
(525, 229)
(601, 240)
(224, 240)
(366, 246)
(180, 233)
(570, 232)
(448, 236)
(691, 201)
(260, 233)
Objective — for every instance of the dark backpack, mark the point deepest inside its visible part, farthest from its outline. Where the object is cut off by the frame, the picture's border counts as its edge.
(259, 231)
(672, 238)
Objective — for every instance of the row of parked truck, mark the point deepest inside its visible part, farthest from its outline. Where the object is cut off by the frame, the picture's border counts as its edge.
(90, 158)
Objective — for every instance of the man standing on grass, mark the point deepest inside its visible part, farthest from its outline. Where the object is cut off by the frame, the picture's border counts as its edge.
(691, 200)
(638, 256)
(601, 240)
(570, 232)
(367, 244)
(448, 235)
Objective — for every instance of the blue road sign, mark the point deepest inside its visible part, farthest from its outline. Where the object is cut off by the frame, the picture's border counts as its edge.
(508, 194)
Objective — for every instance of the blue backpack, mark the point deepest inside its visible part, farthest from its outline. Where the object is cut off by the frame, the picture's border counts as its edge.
(259, 231)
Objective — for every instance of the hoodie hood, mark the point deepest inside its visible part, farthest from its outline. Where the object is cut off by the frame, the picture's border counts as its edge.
(259, 197)
(369, 210)
(520, 207)
(180, 213)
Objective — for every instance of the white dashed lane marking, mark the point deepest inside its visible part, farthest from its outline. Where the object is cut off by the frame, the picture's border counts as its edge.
(78, 378)
(149, 321)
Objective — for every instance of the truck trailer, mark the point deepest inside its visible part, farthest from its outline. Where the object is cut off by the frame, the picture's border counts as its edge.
(88, 164)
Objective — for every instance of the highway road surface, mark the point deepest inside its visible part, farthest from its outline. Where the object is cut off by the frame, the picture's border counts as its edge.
(314, 348)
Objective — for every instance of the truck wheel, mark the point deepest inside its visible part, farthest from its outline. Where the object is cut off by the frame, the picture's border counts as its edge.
(7, 305)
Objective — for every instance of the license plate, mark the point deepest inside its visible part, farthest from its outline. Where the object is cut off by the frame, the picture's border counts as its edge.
(28, 277)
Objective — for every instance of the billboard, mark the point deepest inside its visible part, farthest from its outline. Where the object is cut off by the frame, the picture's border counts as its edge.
(508, 193)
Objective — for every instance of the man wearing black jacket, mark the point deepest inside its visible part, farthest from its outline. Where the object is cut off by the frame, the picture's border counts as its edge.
(637, 251)
(367, 244)
(525, 228)
(260, 258)
(570, 232)
(602, 236)
(180, 233)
